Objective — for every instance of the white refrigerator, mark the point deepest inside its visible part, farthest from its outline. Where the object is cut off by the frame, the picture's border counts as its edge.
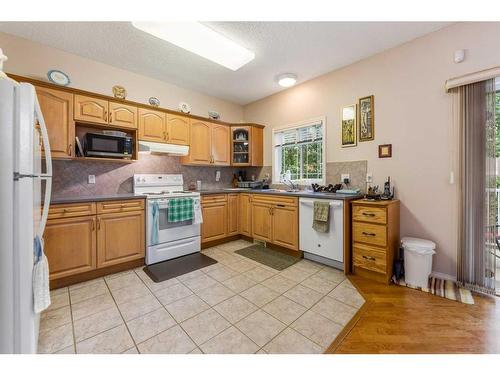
(23, 135)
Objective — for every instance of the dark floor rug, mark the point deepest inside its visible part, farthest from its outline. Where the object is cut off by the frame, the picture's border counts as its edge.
(171, 268)
(268, 257)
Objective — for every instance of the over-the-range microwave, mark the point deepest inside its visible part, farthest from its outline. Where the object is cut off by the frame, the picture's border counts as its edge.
(108, 146)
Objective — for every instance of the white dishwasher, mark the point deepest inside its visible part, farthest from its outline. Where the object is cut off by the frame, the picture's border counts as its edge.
(327, 248)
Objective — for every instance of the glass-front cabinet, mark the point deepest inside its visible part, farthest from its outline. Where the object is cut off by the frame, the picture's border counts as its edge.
(240, 145)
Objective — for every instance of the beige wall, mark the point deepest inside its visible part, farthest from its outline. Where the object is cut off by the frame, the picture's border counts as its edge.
(35, 60)
(412, 111)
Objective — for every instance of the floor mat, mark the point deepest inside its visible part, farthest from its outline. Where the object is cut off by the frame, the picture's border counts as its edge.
(443, 288)
(268, 257)
(171, 268)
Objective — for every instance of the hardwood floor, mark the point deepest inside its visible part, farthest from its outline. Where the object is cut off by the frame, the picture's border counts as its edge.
(402, 320)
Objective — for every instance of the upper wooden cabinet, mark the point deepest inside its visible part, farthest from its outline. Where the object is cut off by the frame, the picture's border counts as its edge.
(152, 125)
(200, 146)
(101, 111)
(122, 115)
(209, 144)
(221, 144)
(247, 145)
(91, 109)
(178, 129)
(57, 110)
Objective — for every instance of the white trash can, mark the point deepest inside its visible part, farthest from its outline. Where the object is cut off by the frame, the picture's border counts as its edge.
(418, 260)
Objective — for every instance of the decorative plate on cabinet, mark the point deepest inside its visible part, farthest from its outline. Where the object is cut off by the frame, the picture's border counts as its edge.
(155, 102)
(184, 107)
(58, 77)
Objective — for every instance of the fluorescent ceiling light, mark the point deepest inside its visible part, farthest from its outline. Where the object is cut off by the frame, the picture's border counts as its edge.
(201, 40)
(287, 80)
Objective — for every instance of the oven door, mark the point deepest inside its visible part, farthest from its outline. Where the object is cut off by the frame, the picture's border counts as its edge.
(168, 232)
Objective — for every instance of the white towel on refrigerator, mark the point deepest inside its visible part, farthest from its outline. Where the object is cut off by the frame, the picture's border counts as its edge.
(41, 289)
(197, 215)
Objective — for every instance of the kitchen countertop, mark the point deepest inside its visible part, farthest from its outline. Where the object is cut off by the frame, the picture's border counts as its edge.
(302, 193)
(96, 198)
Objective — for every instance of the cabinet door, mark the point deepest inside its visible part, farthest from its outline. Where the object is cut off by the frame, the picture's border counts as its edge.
(257, 147)
(261, 221)
(233, 217)
(57, 110)
(245, 218)
(152, 125)
(214, 225)
(286, 227)
(122, 115)
(120, 238)
(221, 144)
(200, 145)
(91, 109)
(70, 245)
(177, 130)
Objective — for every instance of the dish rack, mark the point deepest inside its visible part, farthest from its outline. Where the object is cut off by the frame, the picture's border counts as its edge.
(250, 184)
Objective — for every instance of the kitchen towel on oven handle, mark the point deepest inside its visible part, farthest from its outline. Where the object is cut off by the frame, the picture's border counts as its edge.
(180, 209)
(197, 214)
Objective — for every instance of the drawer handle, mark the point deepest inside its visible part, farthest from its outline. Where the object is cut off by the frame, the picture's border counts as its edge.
(369, 234)
(280, 205)
(368, 214)
(368, 258)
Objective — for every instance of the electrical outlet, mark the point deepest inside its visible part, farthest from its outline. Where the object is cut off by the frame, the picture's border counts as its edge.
(217, 176)
(369, 178)
(91, 179)
(344, 177)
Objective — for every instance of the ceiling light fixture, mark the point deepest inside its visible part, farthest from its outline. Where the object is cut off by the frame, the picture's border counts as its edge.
(287, 79)
(201, 40)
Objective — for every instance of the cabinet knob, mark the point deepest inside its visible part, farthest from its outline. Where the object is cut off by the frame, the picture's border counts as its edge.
(110, 117)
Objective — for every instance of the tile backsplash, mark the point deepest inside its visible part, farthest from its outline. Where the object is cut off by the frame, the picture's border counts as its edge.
(356, 169)
(71, 176)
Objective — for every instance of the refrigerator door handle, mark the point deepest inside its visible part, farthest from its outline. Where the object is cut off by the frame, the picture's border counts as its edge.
(48, 163)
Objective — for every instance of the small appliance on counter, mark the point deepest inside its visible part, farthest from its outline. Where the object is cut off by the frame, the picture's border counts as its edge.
(374, 194)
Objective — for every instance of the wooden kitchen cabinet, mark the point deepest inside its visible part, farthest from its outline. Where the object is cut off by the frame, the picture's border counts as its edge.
(247, 145)
(257, 146)
(70, 245)
(245, 214)
(122, 115)
(120, 237)
(152, 125)
(210, 144)
(262, 221)
(221, 144)
(57, 110)
(275, 219)
(178, 130)
(232, 214)
(89, 109)
(214, 225)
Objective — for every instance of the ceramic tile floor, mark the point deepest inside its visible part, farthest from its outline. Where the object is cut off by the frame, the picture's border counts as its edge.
(234, 306)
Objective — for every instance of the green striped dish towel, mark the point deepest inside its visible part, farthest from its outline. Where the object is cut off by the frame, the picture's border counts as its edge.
(180, 209)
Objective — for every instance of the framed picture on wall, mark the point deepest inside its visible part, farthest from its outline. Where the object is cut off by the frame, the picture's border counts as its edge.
(348, 123)
(366, 119)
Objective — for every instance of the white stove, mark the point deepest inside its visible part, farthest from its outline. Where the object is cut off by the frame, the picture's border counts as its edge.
(172, 240)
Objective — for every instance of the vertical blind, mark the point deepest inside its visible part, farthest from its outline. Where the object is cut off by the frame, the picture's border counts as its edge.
(299, 151)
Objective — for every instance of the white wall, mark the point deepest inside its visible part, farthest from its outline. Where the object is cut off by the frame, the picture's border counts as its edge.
(412, 111)
(34, 60)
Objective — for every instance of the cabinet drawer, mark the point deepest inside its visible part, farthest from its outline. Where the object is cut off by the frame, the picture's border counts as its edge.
(59, 211)
(369, 258)
(275, 199)
(214, 198)
(370, 214)
(120, 206)
(369, 233)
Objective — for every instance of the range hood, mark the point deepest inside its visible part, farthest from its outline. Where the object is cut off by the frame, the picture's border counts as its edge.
(163, 148)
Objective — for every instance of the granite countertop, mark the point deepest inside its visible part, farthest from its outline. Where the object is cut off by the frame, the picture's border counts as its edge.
(96, 198)
(301, 193)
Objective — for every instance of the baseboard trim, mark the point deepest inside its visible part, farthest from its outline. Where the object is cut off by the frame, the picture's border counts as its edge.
(443, 276)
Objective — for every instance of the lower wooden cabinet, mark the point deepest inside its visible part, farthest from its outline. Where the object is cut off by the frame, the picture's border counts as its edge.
(286, 226)
(77, 239)
(120, 238)
(262, 221)
(214, 210)
(232, 214)
(70, 245)
(245, 214)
